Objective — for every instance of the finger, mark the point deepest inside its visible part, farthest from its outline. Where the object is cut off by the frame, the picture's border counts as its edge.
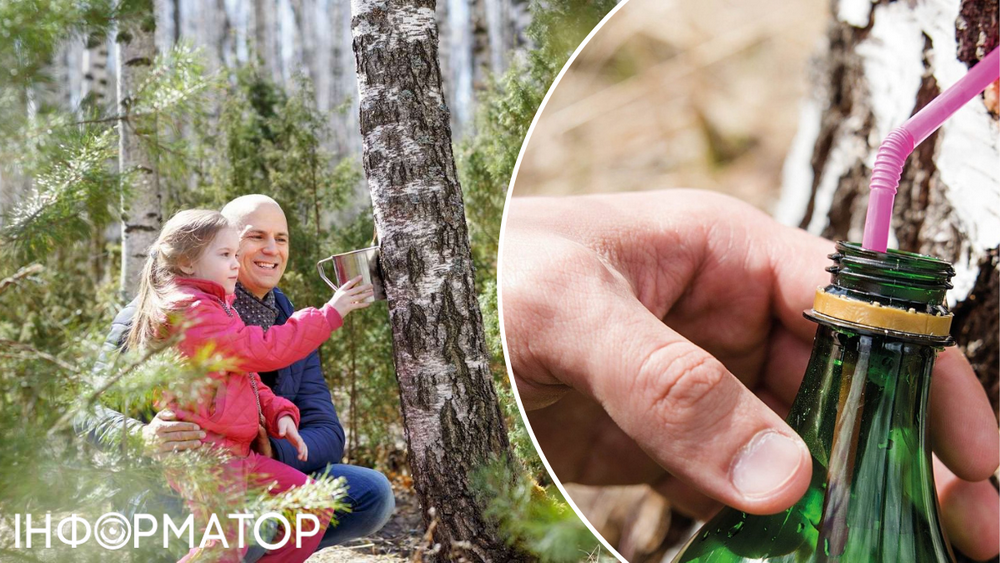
(970, 512)
(182, 436)
(168, 447)
(554, 428)
(777, 405)
(707, 428)
(686, 499)
(300, 445)
(176, 428)
(351, 283)
(166, 414)
(963, 430)
(787, 358)
(799, 261)
(679, 403)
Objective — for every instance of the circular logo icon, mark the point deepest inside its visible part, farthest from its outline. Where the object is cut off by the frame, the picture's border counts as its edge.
(112, 531)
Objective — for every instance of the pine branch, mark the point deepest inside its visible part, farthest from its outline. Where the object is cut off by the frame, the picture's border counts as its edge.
(35, 352)
(20, 275)
(92, 399)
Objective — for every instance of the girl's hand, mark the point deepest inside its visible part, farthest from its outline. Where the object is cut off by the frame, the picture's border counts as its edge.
(287, 430)
(349, 297)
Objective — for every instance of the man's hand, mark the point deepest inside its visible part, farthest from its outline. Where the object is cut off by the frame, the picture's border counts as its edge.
(287, 430)
(166, 434)
(262, 444)
(658, 338)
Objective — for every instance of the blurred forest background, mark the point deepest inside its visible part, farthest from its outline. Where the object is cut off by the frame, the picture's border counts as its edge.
(759, 100)
(672, 94)
(247, 96)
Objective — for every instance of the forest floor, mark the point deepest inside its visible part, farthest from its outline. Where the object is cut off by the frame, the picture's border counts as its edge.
(398, 541)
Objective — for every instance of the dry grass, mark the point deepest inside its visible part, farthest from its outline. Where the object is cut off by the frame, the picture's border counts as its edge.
(679, 94)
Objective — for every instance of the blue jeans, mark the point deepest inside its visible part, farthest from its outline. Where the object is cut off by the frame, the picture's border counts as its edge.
(370, 499)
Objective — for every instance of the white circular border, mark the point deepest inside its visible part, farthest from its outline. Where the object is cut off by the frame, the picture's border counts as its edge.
(503, 334)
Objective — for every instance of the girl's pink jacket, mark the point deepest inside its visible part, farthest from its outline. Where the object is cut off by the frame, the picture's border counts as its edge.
(229, 418)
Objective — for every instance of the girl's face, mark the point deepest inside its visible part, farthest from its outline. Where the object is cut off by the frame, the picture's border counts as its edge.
(218, 262)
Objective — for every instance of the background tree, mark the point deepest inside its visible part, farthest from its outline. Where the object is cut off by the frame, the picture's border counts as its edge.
(142, 209)
(885, 62)
(453, 420)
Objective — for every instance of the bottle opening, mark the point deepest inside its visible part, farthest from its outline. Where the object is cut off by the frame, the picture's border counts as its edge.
(893, 292)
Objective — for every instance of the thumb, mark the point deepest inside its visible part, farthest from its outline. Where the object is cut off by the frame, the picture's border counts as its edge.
(680, 404)
(166, 414)
(688, 412)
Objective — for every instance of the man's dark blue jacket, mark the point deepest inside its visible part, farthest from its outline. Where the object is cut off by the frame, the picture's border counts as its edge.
(302, 383)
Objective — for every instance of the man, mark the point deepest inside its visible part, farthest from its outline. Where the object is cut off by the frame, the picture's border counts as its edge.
(263, 256)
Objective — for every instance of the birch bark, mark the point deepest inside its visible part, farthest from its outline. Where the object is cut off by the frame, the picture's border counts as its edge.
(450, 411)
(142, 214)
(886, 61)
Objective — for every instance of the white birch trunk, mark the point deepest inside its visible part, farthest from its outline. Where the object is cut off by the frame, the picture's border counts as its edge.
(142, 214)
(885, 61)
(450, 411)
(96, 78)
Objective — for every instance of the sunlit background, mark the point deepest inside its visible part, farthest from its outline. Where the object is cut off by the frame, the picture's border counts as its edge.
(679, 94)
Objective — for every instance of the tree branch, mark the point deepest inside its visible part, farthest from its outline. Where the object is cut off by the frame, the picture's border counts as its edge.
(21, 274)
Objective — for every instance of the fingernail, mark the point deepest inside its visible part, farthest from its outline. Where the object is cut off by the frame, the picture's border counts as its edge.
(766, 464)
(201, 434)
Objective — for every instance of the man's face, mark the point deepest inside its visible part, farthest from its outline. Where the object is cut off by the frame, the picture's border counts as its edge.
(263, 249)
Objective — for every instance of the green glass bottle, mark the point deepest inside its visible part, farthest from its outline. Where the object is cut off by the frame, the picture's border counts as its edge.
(862, 410)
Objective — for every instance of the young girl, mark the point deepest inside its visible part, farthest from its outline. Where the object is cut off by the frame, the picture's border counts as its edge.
(192, 270)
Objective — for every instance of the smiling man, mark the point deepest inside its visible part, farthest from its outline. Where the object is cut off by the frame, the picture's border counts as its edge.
(263, 256)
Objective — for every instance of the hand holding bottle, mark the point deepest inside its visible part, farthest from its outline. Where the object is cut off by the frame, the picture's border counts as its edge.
(351, 296)
(649, 333)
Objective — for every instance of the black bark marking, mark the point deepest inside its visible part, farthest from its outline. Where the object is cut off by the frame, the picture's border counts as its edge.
(414, 266)
(452, 320)
(976, 30)
(139, 61)
(132, 228)
(845, 94)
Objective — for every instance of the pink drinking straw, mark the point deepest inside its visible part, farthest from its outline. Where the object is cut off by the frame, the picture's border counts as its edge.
(901, 141)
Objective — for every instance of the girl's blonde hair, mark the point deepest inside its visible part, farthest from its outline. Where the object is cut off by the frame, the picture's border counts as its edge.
(181, 242)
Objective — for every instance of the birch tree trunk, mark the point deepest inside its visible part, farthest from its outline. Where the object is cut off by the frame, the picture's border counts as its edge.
(95, 79)
(142, 214)
(885, 61)
(450, 411)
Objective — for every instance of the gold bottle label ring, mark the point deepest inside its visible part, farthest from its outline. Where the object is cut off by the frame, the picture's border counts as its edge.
(875, 315)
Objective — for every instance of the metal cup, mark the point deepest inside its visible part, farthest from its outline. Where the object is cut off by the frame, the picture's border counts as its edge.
(363, 262)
